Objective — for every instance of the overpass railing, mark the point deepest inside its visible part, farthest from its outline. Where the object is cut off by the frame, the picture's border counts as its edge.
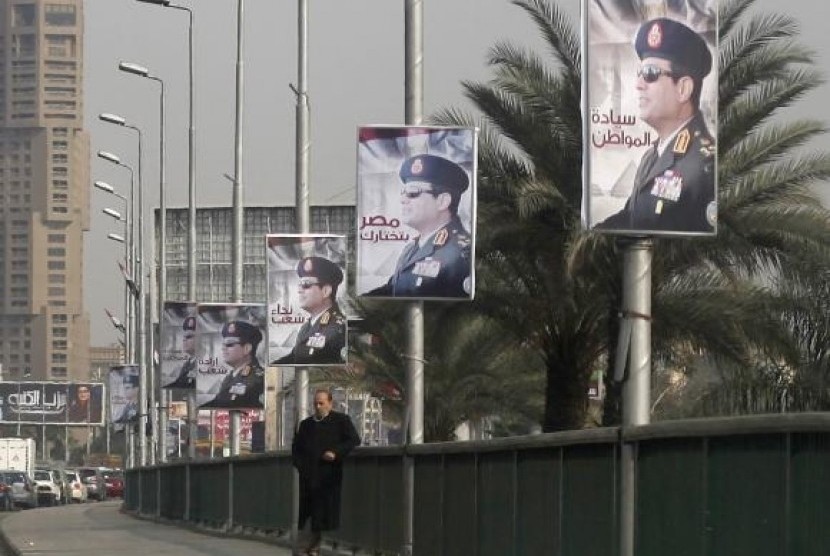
(738, 486)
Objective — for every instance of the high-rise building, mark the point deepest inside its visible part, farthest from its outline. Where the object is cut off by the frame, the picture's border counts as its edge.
(44, 191)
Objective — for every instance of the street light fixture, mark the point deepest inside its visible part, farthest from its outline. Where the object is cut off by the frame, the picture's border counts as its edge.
(157, 2)
(136, 69)
(112, 119)
(112, 212)
(110, 157)
(104, 186)
(116, 237)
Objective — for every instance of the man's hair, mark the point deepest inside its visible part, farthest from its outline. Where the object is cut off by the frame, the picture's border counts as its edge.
(323, 391)
(678, 71)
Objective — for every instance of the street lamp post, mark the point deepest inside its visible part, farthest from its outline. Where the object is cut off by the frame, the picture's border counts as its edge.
(129, 261)
(141, 71)
(142, 334)
(191, 205)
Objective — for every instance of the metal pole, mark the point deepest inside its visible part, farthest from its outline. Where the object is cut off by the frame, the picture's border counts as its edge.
(414, 105)
(161, 422)
(192, 409)
(238, 209)
(301, 176)
(142, 328)
(637, 388)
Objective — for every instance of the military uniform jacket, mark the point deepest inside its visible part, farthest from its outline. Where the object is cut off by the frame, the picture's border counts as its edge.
(128, 413)
(321, 343)
(243, 390)
(675, 191)
(319, 479)
(439, 268)
(186, 376)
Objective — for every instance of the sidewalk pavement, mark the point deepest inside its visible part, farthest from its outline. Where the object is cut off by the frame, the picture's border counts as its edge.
(101, 529)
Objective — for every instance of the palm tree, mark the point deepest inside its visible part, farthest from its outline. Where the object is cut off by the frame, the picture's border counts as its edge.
(556, 287)
(474, 371)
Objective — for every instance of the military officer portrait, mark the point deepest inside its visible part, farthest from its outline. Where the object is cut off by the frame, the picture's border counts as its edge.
(243, 385)
(184, 376)
(674, 186)
(322, 338)
(127, 410)
(437, 262)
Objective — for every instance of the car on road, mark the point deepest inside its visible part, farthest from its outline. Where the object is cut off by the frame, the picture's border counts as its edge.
(114, 480)
(23, 491)
(6, 501)
(48, 488)
(93, 478)
(77, 489)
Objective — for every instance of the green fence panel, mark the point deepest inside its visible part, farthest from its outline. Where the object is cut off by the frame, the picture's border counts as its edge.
(496, 503)
(149, 491)
(390, 502)
(173, 491)
(670, 498)
(209, 493)
(256, 491)
(589, 501)
(746, 478)
(460, 524)
(429, 505)
(538, 507)
(810, 495)
(282, 501)
(360, 492)
(131, 490)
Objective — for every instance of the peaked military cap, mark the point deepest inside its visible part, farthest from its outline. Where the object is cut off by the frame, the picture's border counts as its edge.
(324, 270)
(444, 174)
(243, 331)
(673, 41)
(189, 324)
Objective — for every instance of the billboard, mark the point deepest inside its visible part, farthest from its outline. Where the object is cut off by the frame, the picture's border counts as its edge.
(232, 342)
(650, 117)
(57, 403)
(306, 290)
(178, 346)
(124, 393)
(416, 209)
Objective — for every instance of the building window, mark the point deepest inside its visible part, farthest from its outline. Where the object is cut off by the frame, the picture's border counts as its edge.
(57, 318)
(59, 158)
(59, 344)
(57, 238)
(60, 210)
(57, 279)
(59, 332)
(24, 15)
(57, 292)
(58, 371)
(56, 252)
(60, 15)
(60, 197)
(56, 265)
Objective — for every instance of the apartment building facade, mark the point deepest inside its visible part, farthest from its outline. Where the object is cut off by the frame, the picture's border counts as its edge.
(44, 191)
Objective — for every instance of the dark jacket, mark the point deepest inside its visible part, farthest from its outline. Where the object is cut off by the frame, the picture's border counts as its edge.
(320, 480)
(675, 191)
(439, 268)
(245, 390)
(322, 343)
(186, 375)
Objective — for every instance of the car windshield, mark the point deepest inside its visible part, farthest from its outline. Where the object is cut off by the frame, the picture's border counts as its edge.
(71, 476)
(42, 476)
(84, 473)
(16, 477)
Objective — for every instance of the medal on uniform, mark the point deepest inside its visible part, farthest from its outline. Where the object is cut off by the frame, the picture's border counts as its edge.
(428, 268)
(659, 207)
(238, 389)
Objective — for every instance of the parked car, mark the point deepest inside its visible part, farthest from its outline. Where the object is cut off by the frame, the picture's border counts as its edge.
(93, 478)
(77, 489)
(114, 479)
(48, 490)
(59, 475)
(23, 491)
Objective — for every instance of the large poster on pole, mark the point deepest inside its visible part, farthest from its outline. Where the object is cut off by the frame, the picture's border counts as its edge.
(650, 117)
(416, 201)
(178, 345)
(55, 403)
(124, 389)
(232, 342)
(306, 290)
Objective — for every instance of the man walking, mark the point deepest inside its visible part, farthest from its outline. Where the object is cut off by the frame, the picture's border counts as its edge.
(318, 450)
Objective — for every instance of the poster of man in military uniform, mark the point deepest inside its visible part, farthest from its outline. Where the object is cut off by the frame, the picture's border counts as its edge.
(231, 345)
(306, 291)
(178, 345)
(416, 194)
(124, 390)
(650, 124)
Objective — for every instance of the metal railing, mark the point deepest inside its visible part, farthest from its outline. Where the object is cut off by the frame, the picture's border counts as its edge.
(747, 485)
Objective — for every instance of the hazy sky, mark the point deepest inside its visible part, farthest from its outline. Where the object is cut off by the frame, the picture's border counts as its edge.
(356, 53)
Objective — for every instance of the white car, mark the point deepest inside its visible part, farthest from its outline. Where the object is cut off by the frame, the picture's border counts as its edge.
(77, 488)
(48, 489)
